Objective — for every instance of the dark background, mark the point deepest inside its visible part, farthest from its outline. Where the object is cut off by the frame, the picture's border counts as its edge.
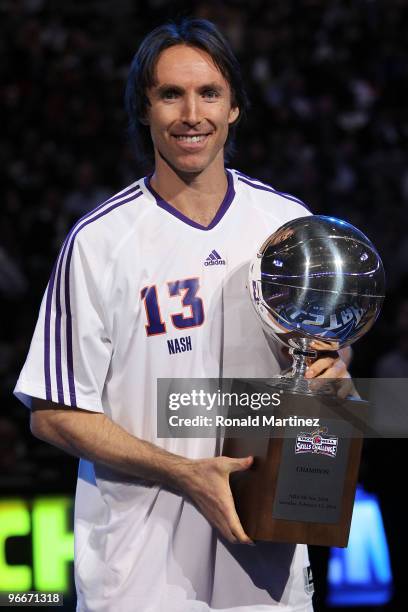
(327, 81)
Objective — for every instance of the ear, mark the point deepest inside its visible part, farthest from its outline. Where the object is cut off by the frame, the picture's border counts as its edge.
(233, 115)
(144, 120)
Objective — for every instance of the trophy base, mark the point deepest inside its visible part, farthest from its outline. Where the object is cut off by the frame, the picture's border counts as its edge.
(301, 486)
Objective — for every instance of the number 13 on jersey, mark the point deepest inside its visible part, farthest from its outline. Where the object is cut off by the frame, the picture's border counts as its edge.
(186, 290)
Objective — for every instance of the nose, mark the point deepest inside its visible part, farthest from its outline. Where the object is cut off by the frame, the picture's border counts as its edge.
(191, 113)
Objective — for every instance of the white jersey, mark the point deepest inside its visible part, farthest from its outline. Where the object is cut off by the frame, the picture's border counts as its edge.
(140, 292)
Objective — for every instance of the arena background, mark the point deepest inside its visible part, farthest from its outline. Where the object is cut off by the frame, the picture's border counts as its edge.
(327, 81)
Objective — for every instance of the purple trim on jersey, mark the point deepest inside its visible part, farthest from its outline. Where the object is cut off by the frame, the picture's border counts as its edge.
(250, 178)
(47, 336)
(60, 387)
(70, 355)
(136, 192)
(271, 189)
(225, 204)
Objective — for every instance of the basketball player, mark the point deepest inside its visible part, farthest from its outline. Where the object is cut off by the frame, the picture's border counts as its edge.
(151, 284)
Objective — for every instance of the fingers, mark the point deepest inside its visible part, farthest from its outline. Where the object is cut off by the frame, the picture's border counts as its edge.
(238, 533)
(331, 368)
(241, 463)
(235, 535)
(327, 367)
(240, 537)
(213, 496)
(235, 526)
(320, 345)
(226, 520)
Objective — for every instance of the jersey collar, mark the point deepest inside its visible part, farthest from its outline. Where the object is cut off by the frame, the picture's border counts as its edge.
(224, 206)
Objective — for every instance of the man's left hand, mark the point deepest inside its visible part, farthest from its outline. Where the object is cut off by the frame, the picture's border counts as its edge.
(332, 365)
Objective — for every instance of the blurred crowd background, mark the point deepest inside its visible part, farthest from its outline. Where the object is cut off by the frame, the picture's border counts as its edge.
(327, 81)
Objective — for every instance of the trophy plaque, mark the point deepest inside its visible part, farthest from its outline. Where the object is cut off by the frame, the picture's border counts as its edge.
(317, 285)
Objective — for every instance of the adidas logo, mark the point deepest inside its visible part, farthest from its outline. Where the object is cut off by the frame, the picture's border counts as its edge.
(214, 259)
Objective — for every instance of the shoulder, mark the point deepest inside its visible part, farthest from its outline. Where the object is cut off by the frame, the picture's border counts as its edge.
(107, 224)
(92, 242)
(111, 214)
(267, 195)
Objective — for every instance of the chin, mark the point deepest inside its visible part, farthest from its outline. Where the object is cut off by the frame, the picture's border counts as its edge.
(190, 166)
(187, 164)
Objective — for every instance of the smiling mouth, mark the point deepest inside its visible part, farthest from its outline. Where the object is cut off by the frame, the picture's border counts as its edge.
(195, 138)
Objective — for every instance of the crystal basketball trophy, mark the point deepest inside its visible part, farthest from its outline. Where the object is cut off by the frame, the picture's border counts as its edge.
(317, 284)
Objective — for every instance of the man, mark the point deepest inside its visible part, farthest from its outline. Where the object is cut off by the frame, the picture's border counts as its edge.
(155, 524)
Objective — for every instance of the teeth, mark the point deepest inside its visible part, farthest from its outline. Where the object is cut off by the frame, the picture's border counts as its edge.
(190, 138)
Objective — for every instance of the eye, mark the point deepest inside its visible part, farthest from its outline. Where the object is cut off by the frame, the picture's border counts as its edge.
(169, 94)
(211, 94)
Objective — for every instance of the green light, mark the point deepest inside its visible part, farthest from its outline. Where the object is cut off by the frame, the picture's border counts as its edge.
(14, 521)
(53, 545)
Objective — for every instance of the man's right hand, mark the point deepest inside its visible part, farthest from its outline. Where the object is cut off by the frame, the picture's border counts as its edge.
(207, 484)
(95, 437)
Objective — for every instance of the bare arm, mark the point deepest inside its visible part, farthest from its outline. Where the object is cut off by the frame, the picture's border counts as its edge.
(94, 437)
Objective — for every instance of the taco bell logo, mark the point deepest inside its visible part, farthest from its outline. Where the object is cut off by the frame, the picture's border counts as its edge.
(316, 443)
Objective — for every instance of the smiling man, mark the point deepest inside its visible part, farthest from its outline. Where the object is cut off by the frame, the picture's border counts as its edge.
(189, 118)
(151, 284)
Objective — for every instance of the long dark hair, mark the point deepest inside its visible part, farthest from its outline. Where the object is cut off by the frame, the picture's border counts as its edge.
(198, 33)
